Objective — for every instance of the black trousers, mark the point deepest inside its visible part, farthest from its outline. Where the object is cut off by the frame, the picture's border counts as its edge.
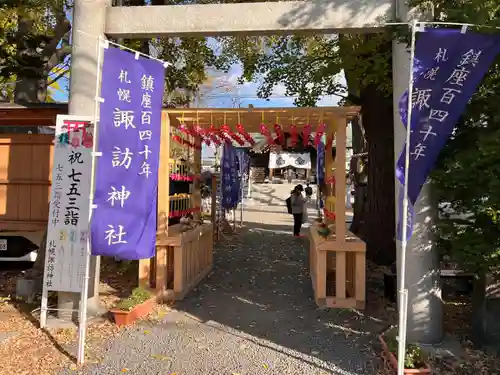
(297, 224)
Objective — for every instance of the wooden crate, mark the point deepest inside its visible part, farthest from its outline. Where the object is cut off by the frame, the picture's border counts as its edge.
(338, 270)
(185, 259)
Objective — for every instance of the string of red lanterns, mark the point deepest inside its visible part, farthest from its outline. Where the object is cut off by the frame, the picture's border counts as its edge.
(265, 132)
(245, 134)
(306, 132)
(177, 213)
(212, 132)
(279, 134)
(203, 134)
(227, 130)
(222, 136)
(218, 136)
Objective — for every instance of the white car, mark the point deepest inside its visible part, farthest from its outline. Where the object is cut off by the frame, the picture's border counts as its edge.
(17, 248)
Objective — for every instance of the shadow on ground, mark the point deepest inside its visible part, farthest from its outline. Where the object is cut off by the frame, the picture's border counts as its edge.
(261, 288)
(254, 314)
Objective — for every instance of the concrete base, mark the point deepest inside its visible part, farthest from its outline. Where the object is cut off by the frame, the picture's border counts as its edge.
(54, 322)
(69, 301)
(28, 288)
(449, 347)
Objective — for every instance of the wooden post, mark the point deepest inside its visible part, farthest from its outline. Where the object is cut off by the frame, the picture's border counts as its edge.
(196, 193)
(215, 225)
(330, 133)
(340, 178)
(163, 211)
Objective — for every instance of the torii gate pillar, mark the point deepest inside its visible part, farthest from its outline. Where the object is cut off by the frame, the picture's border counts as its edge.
(88, 17)
(425, 306)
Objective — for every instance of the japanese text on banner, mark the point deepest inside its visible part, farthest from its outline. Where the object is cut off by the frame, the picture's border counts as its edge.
(448, 66)
(124, 220)
(230, 177)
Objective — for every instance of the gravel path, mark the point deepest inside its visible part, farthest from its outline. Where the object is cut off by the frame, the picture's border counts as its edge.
(253, 315)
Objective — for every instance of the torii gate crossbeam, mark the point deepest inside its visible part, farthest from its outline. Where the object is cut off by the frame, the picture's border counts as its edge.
(284, 17)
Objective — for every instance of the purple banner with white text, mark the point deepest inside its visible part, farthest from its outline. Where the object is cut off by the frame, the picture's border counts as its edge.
(126, 180)
(229, 174)
(448, 66)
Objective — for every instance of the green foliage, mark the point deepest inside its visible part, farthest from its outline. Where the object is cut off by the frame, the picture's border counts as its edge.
(139, 295)
(309, 66)
(34, 42)
(415, 357)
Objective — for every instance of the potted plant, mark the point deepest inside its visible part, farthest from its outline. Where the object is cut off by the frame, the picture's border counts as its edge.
(415, 359)
(323, 230)
(139, 304)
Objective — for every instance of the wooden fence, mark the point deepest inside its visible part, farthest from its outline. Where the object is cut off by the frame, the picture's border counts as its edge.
(182, 260)
(25, 179)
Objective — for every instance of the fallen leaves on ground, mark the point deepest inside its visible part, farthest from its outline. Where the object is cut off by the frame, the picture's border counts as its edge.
(27, 347)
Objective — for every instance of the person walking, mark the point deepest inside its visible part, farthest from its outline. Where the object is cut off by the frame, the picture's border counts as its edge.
(308, 191)
(298, 204)
(289, 173)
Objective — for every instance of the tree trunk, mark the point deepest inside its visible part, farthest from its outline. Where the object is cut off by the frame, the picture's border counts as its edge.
(380, 221)
(358, 226)
(478, 313)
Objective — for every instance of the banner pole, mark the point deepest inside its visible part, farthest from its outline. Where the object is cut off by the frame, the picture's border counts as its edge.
(241, 202)
(403, 292)
(82, 327)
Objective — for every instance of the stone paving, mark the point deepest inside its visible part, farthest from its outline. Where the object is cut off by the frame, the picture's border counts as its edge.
(253, 315)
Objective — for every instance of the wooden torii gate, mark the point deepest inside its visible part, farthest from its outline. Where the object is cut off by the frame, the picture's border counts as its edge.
(92, 18)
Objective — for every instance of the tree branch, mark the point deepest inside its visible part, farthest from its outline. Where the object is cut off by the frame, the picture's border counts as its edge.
(58, 57)
(63, 26)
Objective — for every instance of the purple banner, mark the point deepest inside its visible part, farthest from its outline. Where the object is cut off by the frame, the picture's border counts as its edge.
(243, 169)
(448, 66)
(230, 180)
(320, 163)
(126, 186)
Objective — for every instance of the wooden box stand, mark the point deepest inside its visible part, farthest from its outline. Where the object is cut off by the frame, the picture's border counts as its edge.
(337, 269)
(187, 257)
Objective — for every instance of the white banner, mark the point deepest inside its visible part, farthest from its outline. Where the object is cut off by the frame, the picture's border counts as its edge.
(285, 159)
(68, 224)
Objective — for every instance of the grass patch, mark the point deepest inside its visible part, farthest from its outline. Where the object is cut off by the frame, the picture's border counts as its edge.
(138, 296)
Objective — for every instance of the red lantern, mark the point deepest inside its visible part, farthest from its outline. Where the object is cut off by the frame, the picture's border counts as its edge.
(279, 134)
(222, 135)
(294, 135)
(227, 130)
(212, 133)
(319, 133)
(265, 132)
(306, 132)
(202, 134)
(245, 135)
(329, 214)
(177, 138)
